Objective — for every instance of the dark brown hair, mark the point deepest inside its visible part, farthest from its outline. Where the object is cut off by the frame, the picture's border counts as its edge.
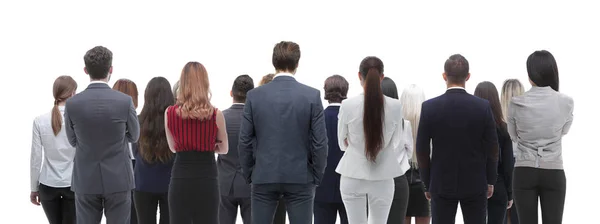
(98, 62)
(153, 146)
(542, 69)
(336, 89)
(64, 87)
(286, 56)
(371, 70)
(241, 85)
(456, 69)
(266, 79)
(487, 91)
(128, 87)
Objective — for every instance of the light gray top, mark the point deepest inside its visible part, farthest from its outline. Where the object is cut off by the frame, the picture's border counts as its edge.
(537, 120)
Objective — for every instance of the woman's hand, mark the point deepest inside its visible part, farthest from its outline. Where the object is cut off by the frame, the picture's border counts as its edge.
(34, 197)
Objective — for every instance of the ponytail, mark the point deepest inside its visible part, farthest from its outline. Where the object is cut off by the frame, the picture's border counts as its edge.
(56, 119)
(374, 114)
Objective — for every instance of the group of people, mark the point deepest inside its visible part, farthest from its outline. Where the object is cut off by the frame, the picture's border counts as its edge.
(378, 157)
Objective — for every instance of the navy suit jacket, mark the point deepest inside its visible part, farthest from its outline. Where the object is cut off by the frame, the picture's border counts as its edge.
(329, 190)
(465, 144)
(282, 137)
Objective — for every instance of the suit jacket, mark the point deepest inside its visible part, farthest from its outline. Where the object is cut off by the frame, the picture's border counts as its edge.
(329, 190)
(231, 180)
(100, 122)
(465, 144)
(284, 120)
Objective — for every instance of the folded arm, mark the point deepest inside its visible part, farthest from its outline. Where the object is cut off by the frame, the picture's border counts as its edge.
(424, 147)
(246, 140)
(36, 157)
(318, 135)
(569, 121)
(342, 129)
(133, 125)
(222, 146)
(511, 124)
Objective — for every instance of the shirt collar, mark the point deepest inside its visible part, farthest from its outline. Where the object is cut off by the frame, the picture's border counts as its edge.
(456, 87)
(335, 104)
(97, 81)
(239, 104)
(284, 74)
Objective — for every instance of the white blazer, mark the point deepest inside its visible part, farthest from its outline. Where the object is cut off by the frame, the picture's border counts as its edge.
(392, 160)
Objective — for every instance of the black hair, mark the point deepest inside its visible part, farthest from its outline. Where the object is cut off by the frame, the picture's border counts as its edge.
(388, 86)
(98, 61)
(456, 69)
(241, 85)
(542, 69)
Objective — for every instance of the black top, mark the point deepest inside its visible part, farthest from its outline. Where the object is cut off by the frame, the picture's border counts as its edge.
(465, 144)
(506, 161)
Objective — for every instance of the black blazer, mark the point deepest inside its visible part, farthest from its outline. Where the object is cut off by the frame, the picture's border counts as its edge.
(231, 180)
(284, 119)
(465, 144)
(329, 190)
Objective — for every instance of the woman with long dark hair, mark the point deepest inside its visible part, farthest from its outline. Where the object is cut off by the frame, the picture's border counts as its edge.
(51, 179)
(195, 131)
(501, 200)
(537, 120)
(369, 131)
(154, 158)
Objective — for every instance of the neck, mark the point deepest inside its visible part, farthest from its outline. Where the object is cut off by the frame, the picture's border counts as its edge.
(62, 103)
(450, 85)
(237, 102)
(99, 80)
(290, 72)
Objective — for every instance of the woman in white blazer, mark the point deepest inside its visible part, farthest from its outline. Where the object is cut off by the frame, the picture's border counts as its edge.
(370, 133)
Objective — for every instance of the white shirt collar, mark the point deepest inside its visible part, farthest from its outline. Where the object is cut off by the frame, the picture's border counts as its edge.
(97, 81)
(456, 87)
(239, 104)
(335, 104)
(284, 74)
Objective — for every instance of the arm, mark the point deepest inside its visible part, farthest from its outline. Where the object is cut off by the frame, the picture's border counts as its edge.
(133, 125)
(342, 129)
(569, 121)
(246, 140)
(70, 131)
(424, 147)
(508, 164)
(408, 139)
(170, 140)
(318, 136)
(511, 124)
(36, 157)
(490, 140)
(222, 146)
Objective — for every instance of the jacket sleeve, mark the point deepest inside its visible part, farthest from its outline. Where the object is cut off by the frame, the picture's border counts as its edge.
(69, 129)
(247, 140)
(508, 164)
(490, 139)
(423, 147)
(318, 136)
(133, 124)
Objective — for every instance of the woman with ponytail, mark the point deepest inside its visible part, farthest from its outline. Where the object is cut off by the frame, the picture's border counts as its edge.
(370, 133)
(51, 183)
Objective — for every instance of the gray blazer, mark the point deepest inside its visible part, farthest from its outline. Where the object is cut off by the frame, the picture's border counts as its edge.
(100, 122)
(283, 137)
(230, 170)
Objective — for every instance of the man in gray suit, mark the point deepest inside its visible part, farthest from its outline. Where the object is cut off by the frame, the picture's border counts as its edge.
(235, 192)
(99, 123)
(283, 141)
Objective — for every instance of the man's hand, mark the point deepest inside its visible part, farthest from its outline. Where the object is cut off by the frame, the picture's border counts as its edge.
(510, 203)
(34, 197)
(490, 191)
(428, 196)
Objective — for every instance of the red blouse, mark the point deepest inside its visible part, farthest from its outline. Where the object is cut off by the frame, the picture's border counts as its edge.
(192, 134)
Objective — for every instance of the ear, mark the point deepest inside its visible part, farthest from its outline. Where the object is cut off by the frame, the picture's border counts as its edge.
(468, 77)
(381, 77)
(230, 93)
(85, 70)
(360, 77)
(110, 70)
(445, 76)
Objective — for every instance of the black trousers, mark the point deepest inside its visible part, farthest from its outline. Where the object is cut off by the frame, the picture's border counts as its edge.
(497, 203)
(299, 202)
(146, 204)
(549, 186)
(326, 213)
(280, 212)
(229, 207)
(58, 204)
(443, 208)
(400, 203)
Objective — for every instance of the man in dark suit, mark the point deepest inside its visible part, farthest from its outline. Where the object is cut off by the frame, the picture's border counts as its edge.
(235, 192)
(462, 167)
(100, 122)
(328, 200)
(283, 142)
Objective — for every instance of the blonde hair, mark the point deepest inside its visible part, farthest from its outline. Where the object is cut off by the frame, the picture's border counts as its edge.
(510, 89)
(64, 87)
(194, 93)
(412, 98)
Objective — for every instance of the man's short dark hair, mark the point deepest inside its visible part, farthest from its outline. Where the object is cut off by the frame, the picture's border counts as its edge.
(241, 86)
(336, 89)
(98, 61)
(286, 56)
(456, 69)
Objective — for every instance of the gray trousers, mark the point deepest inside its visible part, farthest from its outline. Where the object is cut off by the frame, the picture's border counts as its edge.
(116, 207)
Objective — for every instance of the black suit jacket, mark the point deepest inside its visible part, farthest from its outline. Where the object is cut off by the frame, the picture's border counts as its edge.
(329, 190)
(231, 181)
(465, 144)
(283, 137)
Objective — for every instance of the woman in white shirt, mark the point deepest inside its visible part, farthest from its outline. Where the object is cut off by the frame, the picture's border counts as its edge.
(370, 133)
(50, 183)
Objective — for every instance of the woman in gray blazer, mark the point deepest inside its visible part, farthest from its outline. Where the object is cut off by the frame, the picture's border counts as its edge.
(537, 120)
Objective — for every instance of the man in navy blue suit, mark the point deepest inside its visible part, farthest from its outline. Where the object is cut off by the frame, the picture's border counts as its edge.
(462, 167)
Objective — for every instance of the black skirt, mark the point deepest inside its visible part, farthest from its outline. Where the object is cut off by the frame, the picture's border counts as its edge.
(194, 189)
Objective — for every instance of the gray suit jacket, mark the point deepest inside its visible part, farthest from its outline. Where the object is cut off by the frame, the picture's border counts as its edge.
(231, 181)
(99, 123)
(283, 137)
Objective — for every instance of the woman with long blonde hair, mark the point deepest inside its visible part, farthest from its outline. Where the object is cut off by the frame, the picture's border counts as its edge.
(195, 131)
(418, 206)
(51, 179)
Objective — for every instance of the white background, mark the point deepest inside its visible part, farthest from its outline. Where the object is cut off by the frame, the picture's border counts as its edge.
(41, 40)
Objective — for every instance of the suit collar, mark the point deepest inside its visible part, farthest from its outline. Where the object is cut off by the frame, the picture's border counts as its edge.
(284, 77)
(237, 106)
(98, 85)
(456, 90)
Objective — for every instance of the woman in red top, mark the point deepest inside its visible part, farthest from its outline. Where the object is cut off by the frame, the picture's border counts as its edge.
(195, 132)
